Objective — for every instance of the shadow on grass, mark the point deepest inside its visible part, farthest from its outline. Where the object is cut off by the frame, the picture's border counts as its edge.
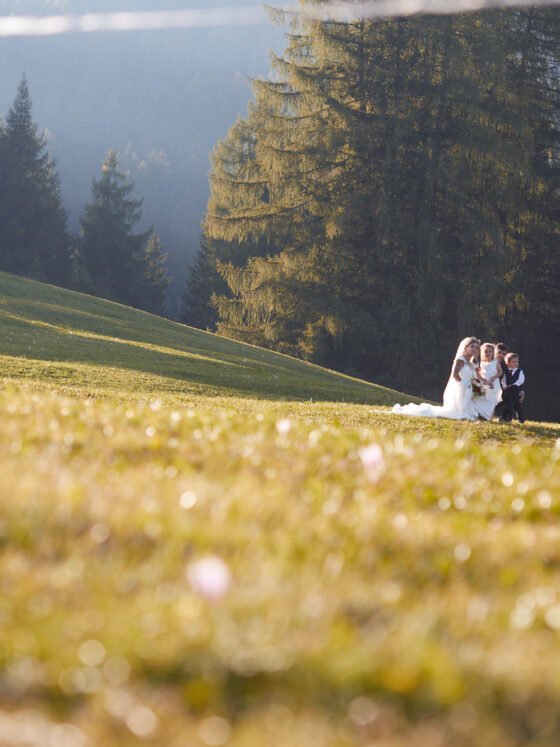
(246, 372)
(52, 325)
(538, 430)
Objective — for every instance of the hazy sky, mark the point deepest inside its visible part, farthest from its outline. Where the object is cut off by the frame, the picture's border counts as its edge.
(178, 91)
(128, 20)
(129, 16)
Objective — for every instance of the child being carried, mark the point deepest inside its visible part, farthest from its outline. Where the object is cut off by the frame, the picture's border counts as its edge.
(490, 372)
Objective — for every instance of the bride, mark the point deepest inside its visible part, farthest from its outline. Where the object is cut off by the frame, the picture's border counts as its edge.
(458, 395)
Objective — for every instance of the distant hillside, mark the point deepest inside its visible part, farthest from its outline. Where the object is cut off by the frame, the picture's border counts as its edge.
(162, 99)
(74, 341)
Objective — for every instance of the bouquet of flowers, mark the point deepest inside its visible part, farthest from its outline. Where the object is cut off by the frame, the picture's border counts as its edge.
(477, 388)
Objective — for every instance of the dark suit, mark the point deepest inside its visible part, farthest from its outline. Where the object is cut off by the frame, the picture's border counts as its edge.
(511, 394)
(500, 406)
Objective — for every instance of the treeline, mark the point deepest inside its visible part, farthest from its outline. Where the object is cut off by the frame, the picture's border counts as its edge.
(394, 187)
(107, 258)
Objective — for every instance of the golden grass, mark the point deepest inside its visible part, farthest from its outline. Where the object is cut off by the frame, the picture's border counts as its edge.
(384, 580)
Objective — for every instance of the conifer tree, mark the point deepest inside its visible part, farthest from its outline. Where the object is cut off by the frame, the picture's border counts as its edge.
(112, 254)
(203, 280)
(33, 233)
(4, 192)
(235, 184)
(156, 279)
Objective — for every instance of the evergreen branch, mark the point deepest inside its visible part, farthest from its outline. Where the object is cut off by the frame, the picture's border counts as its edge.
(297, 118)
(268, 83)
(290, 151)
(346, 106)
(281, 210)
(243, 182)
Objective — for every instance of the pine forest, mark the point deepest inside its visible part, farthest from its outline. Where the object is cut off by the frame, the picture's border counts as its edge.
(393, 186)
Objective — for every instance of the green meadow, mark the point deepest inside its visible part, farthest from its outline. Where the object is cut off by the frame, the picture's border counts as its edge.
(207, 543)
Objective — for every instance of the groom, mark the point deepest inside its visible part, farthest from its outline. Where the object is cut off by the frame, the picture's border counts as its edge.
(500, 352)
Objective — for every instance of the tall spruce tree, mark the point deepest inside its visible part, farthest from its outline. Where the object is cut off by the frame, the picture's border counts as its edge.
(34, 238)
(203, 280)
(113, 256)
(403, 174)
(156, 280)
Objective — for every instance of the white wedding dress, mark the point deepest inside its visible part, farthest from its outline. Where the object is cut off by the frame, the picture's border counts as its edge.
(486, 405)
(457, 398)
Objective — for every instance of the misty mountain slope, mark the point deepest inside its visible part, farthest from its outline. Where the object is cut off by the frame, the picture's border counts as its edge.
(161, 98)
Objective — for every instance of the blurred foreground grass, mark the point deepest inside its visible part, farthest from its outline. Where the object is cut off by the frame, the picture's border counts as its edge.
(185, 560)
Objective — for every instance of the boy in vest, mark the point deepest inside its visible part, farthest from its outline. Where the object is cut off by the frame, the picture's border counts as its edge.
(512, 392)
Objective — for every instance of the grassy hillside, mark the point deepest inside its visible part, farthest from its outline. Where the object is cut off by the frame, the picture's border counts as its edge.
(88, 345)
(193, 552)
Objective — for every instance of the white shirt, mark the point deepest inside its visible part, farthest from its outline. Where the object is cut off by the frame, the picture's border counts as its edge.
(521, 380)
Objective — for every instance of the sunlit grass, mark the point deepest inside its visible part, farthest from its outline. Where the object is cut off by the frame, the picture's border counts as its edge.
(88, 345)
(407, 595)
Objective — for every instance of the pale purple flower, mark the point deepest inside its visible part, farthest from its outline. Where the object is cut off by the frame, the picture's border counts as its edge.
(283, 426)
(210, 577)
(373, 461)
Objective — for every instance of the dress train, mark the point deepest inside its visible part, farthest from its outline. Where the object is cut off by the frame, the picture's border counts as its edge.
(457, 399)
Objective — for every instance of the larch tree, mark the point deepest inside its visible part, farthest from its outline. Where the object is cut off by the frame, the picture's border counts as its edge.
(235, 185)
